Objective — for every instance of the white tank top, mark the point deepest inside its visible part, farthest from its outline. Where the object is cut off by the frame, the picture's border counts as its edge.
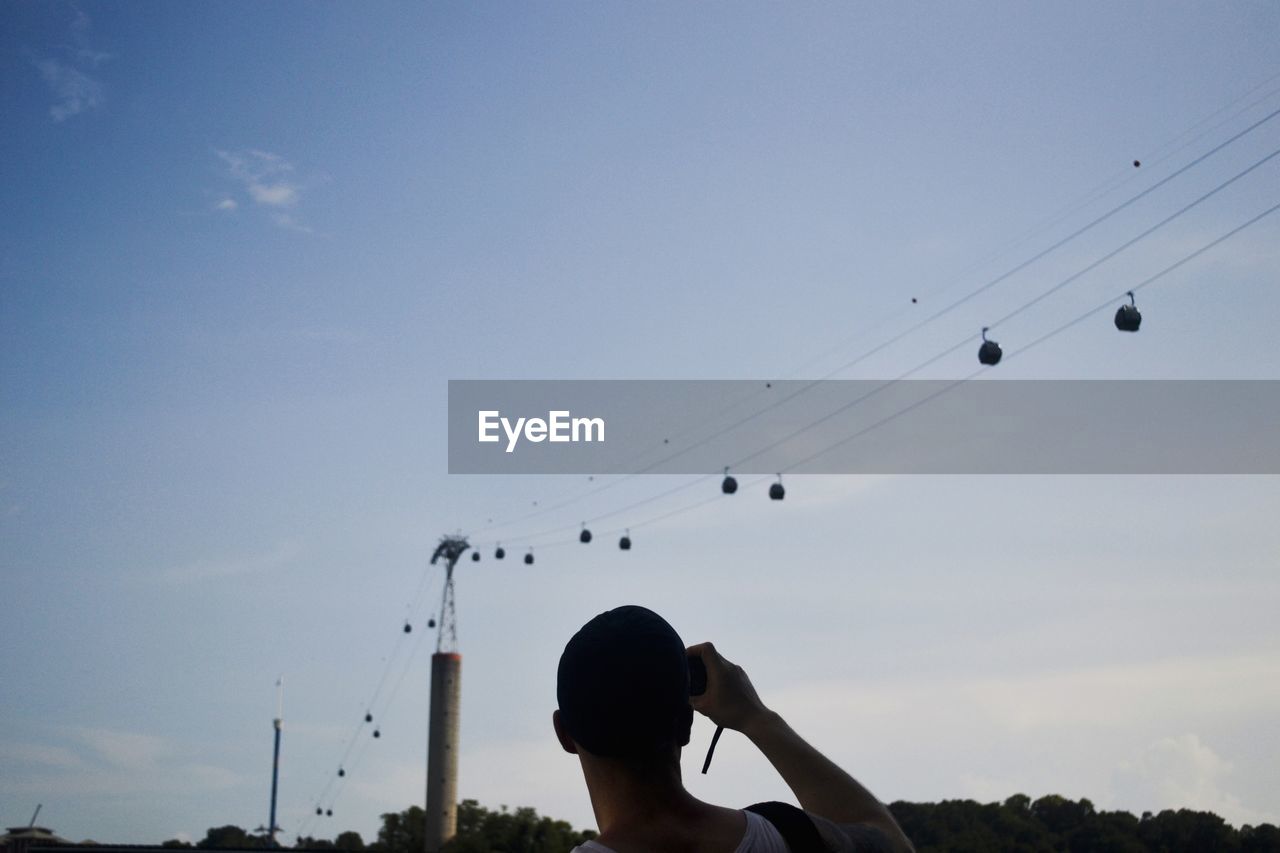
(760, 837)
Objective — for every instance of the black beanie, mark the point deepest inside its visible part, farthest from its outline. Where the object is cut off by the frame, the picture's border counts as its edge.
(623, 685)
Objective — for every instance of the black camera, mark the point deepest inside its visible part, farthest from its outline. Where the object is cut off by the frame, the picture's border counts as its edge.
(697, 676)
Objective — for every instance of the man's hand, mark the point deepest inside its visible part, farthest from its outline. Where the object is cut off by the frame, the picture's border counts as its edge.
(730, 700)
(819, 784)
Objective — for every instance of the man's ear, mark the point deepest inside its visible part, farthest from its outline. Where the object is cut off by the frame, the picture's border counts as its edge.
(566, 742)
(686, 723)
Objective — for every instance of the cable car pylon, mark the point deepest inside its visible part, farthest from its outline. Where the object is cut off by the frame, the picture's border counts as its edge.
(446, 694)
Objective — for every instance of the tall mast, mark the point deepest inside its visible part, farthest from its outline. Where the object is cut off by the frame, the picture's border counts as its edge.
(278, 724)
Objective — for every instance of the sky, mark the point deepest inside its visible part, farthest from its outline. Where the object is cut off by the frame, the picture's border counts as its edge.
(245, 247)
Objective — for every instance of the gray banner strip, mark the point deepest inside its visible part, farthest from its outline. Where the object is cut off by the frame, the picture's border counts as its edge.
(864, 427)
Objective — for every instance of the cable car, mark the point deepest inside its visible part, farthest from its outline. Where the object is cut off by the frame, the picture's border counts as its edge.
(499, 553)
(475, 556)
(319, 810)
(377, 733)
(989, 353)
(407, 628)
(776, 492)
(625, 542)
(431, 623)
(328, 812)
(1128, 317)
(585, 536)
(368, 717)
(341, 772)
(728, 485)
(528, 559)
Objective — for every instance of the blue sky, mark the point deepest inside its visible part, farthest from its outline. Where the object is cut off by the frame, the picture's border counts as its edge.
(244, 247)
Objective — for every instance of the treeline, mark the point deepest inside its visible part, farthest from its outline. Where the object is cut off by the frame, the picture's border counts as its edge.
(1055, 824)
(1050, 824)
(480, 830)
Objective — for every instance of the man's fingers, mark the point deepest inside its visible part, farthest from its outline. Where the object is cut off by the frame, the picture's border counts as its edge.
(710, 657)
(713, 663)
(699, 649)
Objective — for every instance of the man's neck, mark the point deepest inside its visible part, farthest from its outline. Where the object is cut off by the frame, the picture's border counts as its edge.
(624, 798)
(649, 809)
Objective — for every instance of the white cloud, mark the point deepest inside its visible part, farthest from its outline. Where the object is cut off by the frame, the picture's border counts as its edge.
(124, 750)
(1132, 693)
(275, 195)
(211, 777)
(100, 761)
(42, 755)
(1113, 696)
(80, 25)
(284, 220)
(267, 181)
(253, 167)
(227, 204)
(75, 91)
(1082, 732)
(92, 57)
(1180, 772)
(281, 554)
(80, 35)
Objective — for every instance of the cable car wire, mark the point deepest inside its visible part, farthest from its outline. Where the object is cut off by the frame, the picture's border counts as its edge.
(1015, 312)
(347, 761)
(1205, 197)
(967, 341)
(1048, 335)
(937, 357)
(1155, 158)
(937, 314)
(1000, 278)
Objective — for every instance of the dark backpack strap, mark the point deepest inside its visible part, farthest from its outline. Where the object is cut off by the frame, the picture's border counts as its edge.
(793, 825)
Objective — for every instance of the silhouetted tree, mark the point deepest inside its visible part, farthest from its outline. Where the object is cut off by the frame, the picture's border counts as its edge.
(1055, 824)
(480, 830)
(349, 840)
(1185, 831)
(230, 836)
(1050, 824)
(401, 832)
(1259, 839)
(522, 831)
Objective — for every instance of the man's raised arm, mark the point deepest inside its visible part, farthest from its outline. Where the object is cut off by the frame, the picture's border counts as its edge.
(819, 784)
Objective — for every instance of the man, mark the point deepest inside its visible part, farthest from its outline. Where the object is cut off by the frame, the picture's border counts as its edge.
(625, 711)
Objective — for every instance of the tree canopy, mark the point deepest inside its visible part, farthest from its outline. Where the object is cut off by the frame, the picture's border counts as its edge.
(1051, 824)
(519, 831)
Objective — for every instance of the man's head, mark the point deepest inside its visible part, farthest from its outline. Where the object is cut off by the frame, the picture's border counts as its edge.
(623, 686)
